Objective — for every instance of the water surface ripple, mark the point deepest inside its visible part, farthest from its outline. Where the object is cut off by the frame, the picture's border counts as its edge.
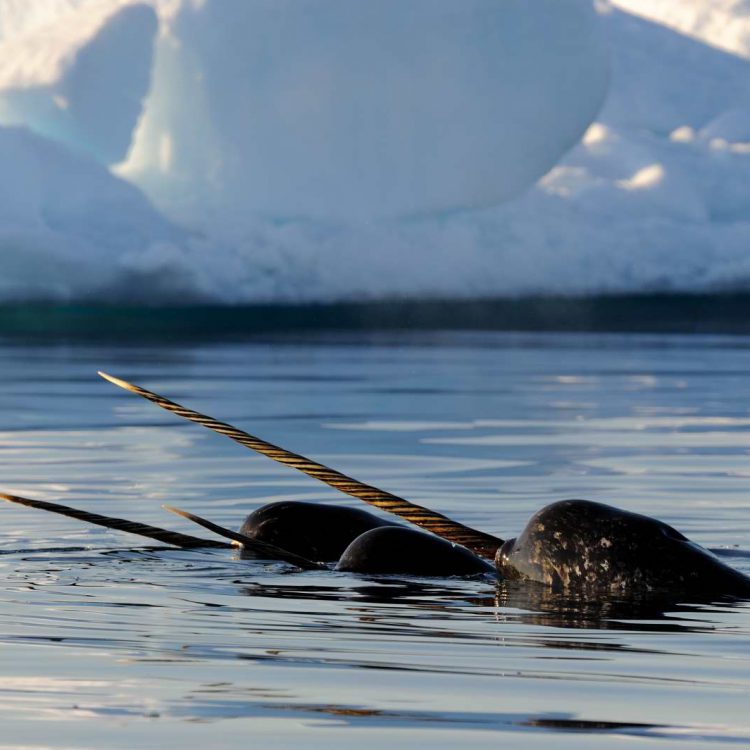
(108, 642)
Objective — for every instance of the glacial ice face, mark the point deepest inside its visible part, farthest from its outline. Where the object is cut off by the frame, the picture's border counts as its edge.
(353, 109)
(81, 79)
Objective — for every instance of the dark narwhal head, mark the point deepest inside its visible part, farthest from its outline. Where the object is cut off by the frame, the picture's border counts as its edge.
(314, 530)
(400, 550)
(578, 544)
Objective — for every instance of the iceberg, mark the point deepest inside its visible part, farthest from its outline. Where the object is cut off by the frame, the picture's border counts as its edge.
(244, 151)
(353, 109)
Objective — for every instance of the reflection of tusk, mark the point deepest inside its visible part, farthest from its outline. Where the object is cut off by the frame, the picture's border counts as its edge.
(483, 544)
(121, 524)
(267, 550)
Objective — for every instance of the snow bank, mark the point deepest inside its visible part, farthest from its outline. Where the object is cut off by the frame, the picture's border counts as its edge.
(721, 23)
(69, 230)
(655, 196)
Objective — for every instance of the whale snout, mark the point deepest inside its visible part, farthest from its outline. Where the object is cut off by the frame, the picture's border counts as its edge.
(503, 563)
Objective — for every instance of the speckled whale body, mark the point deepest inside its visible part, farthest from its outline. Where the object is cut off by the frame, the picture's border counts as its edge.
(579, 544)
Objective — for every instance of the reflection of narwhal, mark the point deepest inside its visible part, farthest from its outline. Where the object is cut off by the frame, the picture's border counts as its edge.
(570, 545)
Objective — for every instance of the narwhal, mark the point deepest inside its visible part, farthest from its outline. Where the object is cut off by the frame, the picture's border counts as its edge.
(572, 545)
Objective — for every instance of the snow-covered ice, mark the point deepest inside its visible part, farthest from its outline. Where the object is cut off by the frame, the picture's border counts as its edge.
(68, 228)
(290, 150)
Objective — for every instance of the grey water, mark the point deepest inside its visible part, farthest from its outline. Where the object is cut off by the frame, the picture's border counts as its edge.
(107, 641)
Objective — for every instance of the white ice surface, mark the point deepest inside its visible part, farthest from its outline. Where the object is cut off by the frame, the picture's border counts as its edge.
(656, 196)
(721, 23)
(69, 230)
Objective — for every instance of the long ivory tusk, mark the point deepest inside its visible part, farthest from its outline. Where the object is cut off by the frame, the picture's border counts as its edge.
(481, 543)
(268, 550)
(121, 524)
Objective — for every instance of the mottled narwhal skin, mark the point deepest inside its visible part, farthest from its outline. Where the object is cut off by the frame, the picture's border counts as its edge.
(592, 547)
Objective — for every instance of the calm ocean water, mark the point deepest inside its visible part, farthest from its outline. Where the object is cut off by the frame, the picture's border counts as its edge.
(107, 642)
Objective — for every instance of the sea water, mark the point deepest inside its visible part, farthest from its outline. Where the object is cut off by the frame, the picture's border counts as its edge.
(108, 641)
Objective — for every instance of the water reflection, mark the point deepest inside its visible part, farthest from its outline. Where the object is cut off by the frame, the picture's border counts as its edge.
(216, 707)
(515, 602)
(538, 605)
(209, 573)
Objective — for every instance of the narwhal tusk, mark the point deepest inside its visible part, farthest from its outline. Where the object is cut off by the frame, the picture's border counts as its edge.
(267, 550)
(481, 543)
(120, 524)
